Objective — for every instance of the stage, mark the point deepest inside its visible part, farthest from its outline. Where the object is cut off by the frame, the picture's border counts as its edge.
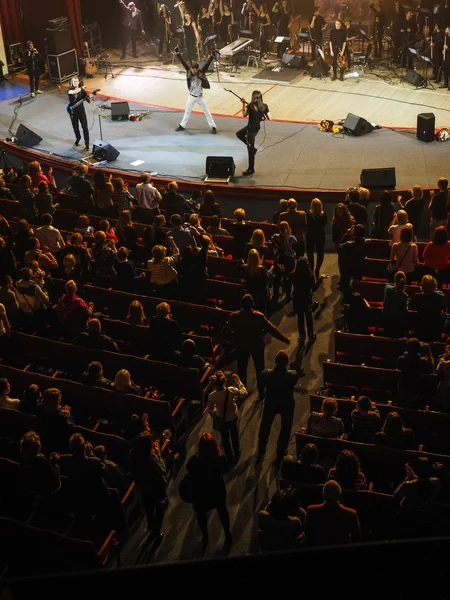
(292, 152)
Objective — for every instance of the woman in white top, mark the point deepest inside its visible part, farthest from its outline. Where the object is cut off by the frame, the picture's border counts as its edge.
(400, 223)
(222, 404)
(404, 253)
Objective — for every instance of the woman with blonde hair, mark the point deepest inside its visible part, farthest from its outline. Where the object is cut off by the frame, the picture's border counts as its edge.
(163, 275)
(364, 196)
(316, 220)
(256, 280)
(124, 384)
(258, 242)
(400, 222)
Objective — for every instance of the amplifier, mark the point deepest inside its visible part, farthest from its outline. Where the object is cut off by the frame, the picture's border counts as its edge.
(62, 67)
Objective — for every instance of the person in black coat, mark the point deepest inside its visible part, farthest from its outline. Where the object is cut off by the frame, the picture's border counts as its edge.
(132, 25)
(39, 476)
(94, 338)
(32, 60)
(207, 468)
(164, 334)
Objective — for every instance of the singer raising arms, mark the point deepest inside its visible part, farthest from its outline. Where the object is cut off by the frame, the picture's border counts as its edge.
(131, 26)
(77, 96)
(31, 59)
(256, 112)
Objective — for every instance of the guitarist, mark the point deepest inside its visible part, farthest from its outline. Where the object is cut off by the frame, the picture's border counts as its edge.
(338, 44)
(78, 95)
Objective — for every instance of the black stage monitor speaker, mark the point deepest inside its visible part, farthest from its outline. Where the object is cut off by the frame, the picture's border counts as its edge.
(378, 178)
(104, 151)
(414, 78)
(59, 40)
(426, 123)
(27, 137)
(356, 125)
(319, 69)
(294, 62)
(220, 167)
(120, 111)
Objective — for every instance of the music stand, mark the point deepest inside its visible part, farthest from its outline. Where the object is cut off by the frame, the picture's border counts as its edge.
(427, 62)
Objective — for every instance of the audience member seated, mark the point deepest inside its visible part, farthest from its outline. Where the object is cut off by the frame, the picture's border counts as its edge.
(164, 333)
(326, 424)
(94, 376)
(11, 174)
(282, 207)
(342, 221)
(306, 469)
(365, 420)
(55, 423)
(37, 175)
(442, 474)
(394, 435)
(182, 237)
(194, 272)
(31, 297)
(73, 312)
(147, 196)
(44, 200)
(383, 217)
(436, 256)
(31, 399)
(123, 384)
(442, 396)
(8, 263)
(103, 191)
(84, 226)
(37, 274)
(173, 202)
(357, 209)
(400, 222)
(82, 188)
(352, 252)
(331, 523)
(430, 306)
(23, 234)
(395, 307)
(125, 230)
(241, 232)
(347, 471)
(412, 367)
(76, 247)
(109, 231)
(127, 277)
(256, 280)
(154, 234)
(5, 400)
(47, 262)
(112, 473)
(279, 530)
(122, 198)
(136, 314)
(163, 275)
(104, 253)
(71, 270)
(39, 476)
(94, 338)
(258, 242)
(49, 236)
(216, 227)
(209, 207)
(187, 357)
(5, 192)
(414, 207)
(297, 221)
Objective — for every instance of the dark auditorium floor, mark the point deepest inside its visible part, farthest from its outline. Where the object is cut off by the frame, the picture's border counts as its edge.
(248, 489)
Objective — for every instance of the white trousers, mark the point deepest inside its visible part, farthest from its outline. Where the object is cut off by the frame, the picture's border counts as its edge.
(192, 100)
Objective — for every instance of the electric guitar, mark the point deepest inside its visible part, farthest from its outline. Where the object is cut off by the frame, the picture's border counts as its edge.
(91, 64)
(71, 109)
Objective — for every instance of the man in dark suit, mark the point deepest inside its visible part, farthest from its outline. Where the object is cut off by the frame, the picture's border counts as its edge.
(132, 26)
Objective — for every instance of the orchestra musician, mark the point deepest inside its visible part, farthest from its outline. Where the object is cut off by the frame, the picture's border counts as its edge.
(408, 32)
(264, 23)
(191, 35)
(132, 25)
(338, 44)
(165, 29)
(31, 59)
(437, 46)
(78, 95)
(256, 112)
(249, 16)
(446, 57)
(204, 22)
(396, 27)
(351, 32)
(225, 23)
(283, 16)
(317, 27)
(378, 28)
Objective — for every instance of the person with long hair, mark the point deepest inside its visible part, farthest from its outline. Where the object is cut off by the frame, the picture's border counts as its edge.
(439, 206)
(258, 242)
(394, 312)
(77, 95)
(165, 29)
(315, 235)
(436, 255)
(304, 286)
(284, 260)
(256, 280)
(394, 434)
(209, 207)
(412, 366)
(404, 253)
(136, 314)
(256, 111)
(414, 206)
(207, 467)
(125, 230)
(342, 221)
(103, 192)
(150, 475)
(264, 24)
(347, 471)
(400, 222)
(225, 23)
(154, 234)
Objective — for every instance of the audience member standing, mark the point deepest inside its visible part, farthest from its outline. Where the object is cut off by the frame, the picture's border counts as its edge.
(297, 222)
(315, 235)
(256, 281)
(304, 287)
(404, 253)
(414, 207)
(147, 196)
(430, 305)
(276, 388)
(436, 255)
(284, 260)
(165, 334)
(395, 307)
(356, 209)
(412, 367)
(383, 217)
(341, 223)
(439, 206)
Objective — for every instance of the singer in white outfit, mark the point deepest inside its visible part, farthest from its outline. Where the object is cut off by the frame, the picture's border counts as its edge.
(196, 82)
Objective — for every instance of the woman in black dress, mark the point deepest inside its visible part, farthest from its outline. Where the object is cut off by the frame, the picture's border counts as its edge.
(165, 29)
(383, 217)
(207, 468)
(283, 15)
(315, 234)
(225, 23)
(191, 36)
(264, 24)
(256, 112)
